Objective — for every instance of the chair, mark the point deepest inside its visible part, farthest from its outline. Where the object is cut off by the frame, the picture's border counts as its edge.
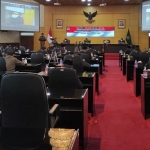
(144, 57)
(128, 51)
(22, 49)
(25, 112)
(38, 58)
(2, 64)
(86, 57)
(42, 52)
(134, 54)
(63, 78)
(77, 63)
(68, 62)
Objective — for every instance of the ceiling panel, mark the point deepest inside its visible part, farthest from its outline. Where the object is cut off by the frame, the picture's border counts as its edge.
(93, 3)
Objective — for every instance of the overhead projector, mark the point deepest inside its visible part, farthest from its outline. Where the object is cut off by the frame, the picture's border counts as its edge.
(103, 4)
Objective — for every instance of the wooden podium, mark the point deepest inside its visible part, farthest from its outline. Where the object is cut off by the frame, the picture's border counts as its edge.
(42, 40)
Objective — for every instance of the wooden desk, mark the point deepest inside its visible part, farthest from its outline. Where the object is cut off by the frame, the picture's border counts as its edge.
(145, 95)
(88, 82)
(28, 68)
(74, 110)
(94, 68)
(137, 80)
(124, 64)
(129, 69)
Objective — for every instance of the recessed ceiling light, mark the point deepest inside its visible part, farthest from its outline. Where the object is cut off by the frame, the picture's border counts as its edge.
(126, 0)
(48, 0)
(83, 0)
(88, 4)
(89, 0)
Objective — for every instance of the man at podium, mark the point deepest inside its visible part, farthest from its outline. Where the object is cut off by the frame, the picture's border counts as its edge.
(121, 41)
(87, 41)
(42, 40)
(66, 41)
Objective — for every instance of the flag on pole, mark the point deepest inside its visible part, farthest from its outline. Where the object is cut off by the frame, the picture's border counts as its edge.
(49, 36)
(128, 38)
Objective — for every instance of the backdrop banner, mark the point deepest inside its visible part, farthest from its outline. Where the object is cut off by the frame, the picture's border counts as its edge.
(74, 31)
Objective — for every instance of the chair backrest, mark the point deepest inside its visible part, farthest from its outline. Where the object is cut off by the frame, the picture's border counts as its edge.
(38, 58)
(86, 57)
(2, 64)
(63, 78)
(144, 57)
(68, 62)
(42, 52)
(128, 51)
(22, 49)
(135, 55)
(77, 62)
(24, 107)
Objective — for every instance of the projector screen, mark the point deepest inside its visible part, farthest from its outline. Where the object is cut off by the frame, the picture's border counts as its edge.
(19, 16)
(146, 16)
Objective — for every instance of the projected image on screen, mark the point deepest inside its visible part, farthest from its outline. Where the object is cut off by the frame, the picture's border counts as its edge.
(146, 16)
(19, 17)
(90, 31)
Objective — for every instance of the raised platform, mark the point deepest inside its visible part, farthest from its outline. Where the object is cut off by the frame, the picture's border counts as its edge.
(111, 56)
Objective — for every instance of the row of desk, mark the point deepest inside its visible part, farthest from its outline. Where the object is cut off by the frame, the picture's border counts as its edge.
(77, 103)
(141, 82)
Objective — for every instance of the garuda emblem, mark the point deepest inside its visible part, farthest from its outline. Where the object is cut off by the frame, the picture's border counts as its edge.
(90, 16)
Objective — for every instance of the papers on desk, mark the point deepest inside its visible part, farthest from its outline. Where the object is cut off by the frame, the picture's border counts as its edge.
(95, 65)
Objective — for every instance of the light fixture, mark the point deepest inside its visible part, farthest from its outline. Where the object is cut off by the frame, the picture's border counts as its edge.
(88, 4)
(48, 0)
(83, 0)
(89, 0)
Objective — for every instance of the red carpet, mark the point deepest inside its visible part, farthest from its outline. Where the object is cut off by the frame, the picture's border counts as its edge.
(118, 123)
(111, 56)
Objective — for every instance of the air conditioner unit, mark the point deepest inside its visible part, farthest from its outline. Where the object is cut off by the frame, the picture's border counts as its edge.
(57, 4)
(103, 4)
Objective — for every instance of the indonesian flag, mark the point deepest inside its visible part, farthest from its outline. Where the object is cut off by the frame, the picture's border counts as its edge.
(49, 36)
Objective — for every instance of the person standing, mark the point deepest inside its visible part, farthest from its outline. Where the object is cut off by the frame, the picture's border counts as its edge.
(42, 40)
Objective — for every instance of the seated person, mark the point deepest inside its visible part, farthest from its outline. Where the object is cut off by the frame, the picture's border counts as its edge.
(128, 50)
(87, 41)
(43, 51)
(11, 61)
(66, 41)
(85, 50)
(121, 41)
(63, 49)
(22, 50)
(106, 41)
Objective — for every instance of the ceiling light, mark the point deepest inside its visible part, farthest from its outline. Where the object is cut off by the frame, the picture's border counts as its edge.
(83, 0)
(48, 0)
(88, 4)
(126, 0)
(89, 0)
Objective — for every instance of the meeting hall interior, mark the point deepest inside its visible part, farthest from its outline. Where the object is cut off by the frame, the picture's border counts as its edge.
(75, 74)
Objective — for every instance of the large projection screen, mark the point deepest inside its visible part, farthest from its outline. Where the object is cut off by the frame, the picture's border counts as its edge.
(73, 31)
(146, 16)
(19, 16)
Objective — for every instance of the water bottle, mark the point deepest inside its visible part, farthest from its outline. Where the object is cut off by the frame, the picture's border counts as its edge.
(46, 69)
(128, 57)
(25, 61)
(145, 72)
(136, 64)
(61, 62)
